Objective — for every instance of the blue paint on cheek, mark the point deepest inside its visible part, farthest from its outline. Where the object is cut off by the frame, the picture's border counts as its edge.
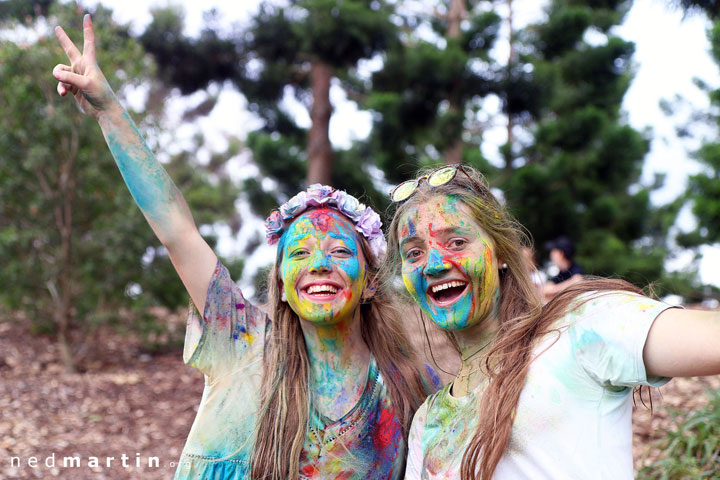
(417, 286)
(454, 317)
(351, 267)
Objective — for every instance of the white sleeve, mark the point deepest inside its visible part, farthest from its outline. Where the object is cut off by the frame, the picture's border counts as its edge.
(413, 467)
(608, 334)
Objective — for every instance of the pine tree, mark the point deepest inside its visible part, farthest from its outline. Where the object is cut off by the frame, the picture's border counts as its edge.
(580, 174)
(298, 51)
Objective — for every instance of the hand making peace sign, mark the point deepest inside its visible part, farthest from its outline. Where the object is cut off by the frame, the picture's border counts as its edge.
(83, 78)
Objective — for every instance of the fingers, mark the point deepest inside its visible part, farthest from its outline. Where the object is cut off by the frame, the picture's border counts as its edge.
(64, 74)
(70, 49)
(64, 88)
(89, 38)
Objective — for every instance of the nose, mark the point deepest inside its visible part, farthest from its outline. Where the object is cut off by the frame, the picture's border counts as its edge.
(435, 265)
(320, 263)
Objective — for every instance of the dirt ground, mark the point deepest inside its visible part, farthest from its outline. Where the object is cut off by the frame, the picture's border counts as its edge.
(140, 405)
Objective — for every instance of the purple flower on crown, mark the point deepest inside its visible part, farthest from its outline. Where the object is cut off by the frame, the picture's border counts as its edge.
(378, 247)
(369, 223)
(348, 205)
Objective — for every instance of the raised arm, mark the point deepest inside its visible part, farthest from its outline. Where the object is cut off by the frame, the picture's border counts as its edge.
(154, 192)
(683, 343)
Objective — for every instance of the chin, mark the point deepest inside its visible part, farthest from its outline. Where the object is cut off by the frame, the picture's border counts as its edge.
(452, 325)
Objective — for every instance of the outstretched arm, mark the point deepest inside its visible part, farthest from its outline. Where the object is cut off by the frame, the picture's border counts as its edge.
(683, 343)
(154, 192)
(550, 289)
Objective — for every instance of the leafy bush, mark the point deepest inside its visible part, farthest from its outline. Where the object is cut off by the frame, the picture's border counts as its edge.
(691, 449)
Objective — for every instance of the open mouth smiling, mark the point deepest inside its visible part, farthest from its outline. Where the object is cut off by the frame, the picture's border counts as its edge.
(446, 292)
(319, 291)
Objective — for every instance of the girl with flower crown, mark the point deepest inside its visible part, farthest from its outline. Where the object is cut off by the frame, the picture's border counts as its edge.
(544, 392)
(328, 387)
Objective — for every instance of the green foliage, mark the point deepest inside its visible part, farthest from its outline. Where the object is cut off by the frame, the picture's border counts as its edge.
(427, 92)
(67, 223)
(24, 10)
(691, 449)
(580, 174)
(45, 140)
(213, 59)
(704, 191)
(710, 7)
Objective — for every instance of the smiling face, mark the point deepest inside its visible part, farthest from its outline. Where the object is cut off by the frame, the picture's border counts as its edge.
(323, 268)
(448, 263)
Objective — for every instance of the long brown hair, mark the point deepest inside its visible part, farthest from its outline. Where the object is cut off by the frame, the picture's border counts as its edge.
(522, 318)
(285, 394)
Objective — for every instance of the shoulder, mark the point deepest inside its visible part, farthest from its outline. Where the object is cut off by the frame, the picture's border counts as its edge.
(576, 269)
(605, 302)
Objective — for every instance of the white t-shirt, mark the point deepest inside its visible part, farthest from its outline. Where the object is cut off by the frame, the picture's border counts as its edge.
(573, 419)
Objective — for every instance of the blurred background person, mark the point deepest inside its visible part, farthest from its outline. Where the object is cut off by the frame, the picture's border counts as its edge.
(562, 254)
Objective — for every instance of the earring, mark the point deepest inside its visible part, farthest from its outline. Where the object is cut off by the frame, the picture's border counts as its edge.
(283, 297)
(503, 267)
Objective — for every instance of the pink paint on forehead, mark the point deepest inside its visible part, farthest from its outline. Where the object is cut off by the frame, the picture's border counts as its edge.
(325, 219)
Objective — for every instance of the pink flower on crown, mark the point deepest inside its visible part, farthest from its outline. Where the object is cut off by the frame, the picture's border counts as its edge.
(273, 227)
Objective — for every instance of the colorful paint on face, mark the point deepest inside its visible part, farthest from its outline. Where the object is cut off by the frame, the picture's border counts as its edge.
(448, 263)
(322, 268)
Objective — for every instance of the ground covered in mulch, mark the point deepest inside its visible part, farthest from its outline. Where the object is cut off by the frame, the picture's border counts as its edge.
(140, 405)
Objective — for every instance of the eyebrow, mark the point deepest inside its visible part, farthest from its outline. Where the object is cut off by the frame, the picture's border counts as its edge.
(409, 240)
(433, 233)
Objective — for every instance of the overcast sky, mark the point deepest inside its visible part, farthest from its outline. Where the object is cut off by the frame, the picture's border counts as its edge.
(670, 51)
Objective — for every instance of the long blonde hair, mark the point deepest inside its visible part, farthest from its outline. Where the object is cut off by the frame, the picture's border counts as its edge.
(285, 395)
(522, 318)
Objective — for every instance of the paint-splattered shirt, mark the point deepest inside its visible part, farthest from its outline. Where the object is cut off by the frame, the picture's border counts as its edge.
(227, 345)
(574, 414)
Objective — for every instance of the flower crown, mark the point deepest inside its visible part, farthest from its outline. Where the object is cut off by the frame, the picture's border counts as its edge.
(366, 220)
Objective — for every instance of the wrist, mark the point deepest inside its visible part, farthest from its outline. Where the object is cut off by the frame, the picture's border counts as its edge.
(110, 114)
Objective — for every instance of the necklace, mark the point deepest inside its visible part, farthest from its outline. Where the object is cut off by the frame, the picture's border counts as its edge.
(477, 351)
(464, 359)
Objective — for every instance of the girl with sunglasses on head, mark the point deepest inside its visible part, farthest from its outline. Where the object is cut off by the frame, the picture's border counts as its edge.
(328, 387)
(543, 392)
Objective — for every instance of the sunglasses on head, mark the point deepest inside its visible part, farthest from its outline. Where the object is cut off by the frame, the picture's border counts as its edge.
(439, 176)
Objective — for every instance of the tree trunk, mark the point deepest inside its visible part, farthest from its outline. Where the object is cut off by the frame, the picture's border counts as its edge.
(453, 155)
(320, 155)
(63, 219)
(510, 120)
(456, 13)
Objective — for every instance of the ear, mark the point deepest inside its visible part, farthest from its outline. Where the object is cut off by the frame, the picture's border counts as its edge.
(369, 291)
(502, 266)
(283, 297)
